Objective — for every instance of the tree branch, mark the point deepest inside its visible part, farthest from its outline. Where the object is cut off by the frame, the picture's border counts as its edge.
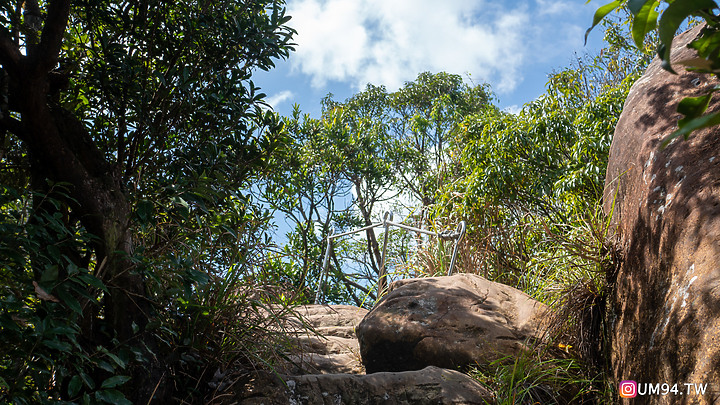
(9, 54)
(46, 57)
(12, 125)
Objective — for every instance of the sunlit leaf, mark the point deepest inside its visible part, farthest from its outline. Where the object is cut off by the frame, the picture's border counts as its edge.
(693, 125)
(645, 21)
(673, 17)
(693, 107)
(601, 13)
(636, 5)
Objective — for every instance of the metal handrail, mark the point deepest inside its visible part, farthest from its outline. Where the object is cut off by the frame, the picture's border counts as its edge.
(386, 223)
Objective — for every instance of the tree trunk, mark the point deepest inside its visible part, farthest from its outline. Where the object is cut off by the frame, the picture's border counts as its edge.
(61, 149)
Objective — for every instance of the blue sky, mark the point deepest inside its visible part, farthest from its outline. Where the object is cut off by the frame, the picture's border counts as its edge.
(345, 44)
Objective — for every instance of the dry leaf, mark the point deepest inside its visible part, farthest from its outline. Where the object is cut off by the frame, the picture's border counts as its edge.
(43, 295)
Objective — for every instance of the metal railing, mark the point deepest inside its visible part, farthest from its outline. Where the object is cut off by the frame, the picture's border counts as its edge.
(387, 223)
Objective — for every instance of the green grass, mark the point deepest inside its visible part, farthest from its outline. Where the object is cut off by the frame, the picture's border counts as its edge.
(538, 378)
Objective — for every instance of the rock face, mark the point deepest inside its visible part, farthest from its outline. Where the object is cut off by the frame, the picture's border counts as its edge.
(334, 347)
(665, 309)
(424, 387)
(450, 322)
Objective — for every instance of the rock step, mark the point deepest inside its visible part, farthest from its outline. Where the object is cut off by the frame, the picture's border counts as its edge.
(333, 347)
(431, 385)
(316, 363)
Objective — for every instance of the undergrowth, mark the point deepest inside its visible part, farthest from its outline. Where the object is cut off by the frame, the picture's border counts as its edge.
(537, 377)
(562, 263)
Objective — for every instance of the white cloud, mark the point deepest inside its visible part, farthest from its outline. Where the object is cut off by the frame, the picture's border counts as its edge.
(551, 7)
(513, 109)
(390, 42)
(276, 99)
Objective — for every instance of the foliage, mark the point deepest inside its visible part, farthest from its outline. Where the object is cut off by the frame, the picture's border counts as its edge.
(373, 152)
(44, 355)
(519, 175)
(534, 377)
(666, 18)
(131, 132)
(529, 185)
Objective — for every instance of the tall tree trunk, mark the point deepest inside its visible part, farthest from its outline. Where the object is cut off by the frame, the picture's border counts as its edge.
(62, 149)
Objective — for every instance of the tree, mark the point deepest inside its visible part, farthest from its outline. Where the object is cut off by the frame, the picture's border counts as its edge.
(371, 152)
(114, 111)
(516, 174)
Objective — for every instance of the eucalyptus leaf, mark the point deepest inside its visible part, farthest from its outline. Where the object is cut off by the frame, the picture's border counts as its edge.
(693, 107)
(673, 17)
(693, 125)
(645, 21)
(636, 5)
(600, 13)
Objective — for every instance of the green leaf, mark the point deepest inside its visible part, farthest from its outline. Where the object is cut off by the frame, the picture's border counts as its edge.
(115, 381)
(57, 345)
(198, 276)
(50, 274)
(87, 380)
(692, 125)
(645, 21)
(145, 211)
(54, 252)
(673, 17)
(93, 281)
(112, 397)
(116, 359)
(74, 386)
(707, 45)
(69, 300)
(106, 366)
(636, 5)
(693, 107)
(600, 14)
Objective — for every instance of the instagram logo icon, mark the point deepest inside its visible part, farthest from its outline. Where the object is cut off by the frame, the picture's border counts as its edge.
(628, 389)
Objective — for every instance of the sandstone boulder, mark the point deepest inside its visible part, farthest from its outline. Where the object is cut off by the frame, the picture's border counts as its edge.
(450, 322)
(664, 310)
(429, 386)
(330, 346)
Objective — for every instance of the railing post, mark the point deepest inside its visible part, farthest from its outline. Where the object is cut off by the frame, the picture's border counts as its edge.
(382, 279)
(458, 235)
(326, 261)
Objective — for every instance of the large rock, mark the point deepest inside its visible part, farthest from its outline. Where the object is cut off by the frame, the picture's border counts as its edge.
(665, 203)
(325, 340)
(451, 322)
(424, 387)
